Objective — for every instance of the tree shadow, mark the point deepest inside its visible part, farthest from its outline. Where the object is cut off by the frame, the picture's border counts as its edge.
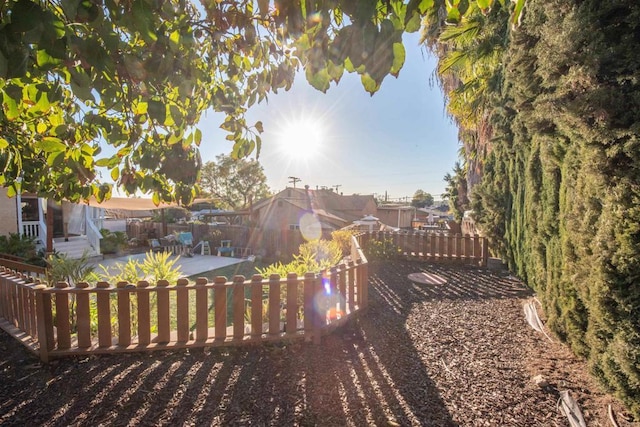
(367, 373)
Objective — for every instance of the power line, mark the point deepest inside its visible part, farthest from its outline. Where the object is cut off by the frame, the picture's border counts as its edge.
(294, 180)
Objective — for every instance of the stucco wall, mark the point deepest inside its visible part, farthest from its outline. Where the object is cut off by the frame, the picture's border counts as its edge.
(8, 213)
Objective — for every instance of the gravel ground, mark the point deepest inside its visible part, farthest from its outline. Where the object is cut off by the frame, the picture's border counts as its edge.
(454, 354)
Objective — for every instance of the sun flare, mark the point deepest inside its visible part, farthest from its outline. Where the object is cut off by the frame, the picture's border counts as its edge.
(301, 139)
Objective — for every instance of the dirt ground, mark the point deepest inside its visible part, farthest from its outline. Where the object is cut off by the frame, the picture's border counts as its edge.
(459, 353)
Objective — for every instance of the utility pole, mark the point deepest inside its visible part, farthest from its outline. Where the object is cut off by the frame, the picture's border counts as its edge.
(336, 187)
(294, 179)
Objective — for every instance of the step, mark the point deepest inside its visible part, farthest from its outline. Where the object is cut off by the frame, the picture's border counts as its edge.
(75, 248)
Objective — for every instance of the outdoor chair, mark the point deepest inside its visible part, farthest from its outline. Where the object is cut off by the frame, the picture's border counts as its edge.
(225, 248)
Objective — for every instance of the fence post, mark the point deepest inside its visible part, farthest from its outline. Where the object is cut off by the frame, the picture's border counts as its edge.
(485, 251)
(274, 304)
(351, 287)
(238, 307)
(144, 313)
(291, 325)
(124, 314)
(256, 305)
(202, 309)
(319, 307)
(182, 310)
(83, 316)
(63, 318)
(220, 304)
(164, 324)
(104, 314)
(309, 295)
(45, 322)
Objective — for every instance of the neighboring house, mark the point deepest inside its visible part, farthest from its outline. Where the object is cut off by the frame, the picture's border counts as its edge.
(332, 211)
(399, 216)
(72, 229)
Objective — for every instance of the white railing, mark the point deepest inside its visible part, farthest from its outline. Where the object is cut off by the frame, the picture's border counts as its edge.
(93, 234)
(36, 230)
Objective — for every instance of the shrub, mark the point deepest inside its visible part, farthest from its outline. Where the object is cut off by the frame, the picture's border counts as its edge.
(112, 243)
(377, 250)
(313, 256)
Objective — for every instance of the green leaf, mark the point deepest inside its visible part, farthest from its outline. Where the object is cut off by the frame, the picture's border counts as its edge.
(10, 108)
(45, 61)
(157, 111)
(259, 126)
(413, 24)
(370, 85)
(104, 162)
(41, 127)
(155, 198)
(11, 191)
(175, 37)
(484, 5)
(141, 108)
(197, 137)
(115, 174)
(399, 56)
(517, 13)
(51, 144)
(3, 143)
(55, 158)
(453, 15)
(319, 80)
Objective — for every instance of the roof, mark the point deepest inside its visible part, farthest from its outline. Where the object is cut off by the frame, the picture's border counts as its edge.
(323, 202)
(130, 204)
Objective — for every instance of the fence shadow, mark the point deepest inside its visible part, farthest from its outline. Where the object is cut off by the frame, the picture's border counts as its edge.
(367, 373)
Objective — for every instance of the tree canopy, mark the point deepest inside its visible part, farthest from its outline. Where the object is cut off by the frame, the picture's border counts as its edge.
(114, 90)
(421, 199)
(234, 183)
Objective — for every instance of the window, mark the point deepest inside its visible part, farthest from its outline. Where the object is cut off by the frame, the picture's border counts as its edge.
(30, 210)
(294, 227)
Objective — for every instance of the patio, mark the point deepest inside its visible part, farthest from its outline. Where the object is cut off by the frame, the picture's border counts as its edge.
(190, 266)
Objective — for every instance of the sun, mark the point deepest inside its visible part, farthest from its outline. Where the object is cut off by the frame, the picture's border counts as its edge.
(301, 139)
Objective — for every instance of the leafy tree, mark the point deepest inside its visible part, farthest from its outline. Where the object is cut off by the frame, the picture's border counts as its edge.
(118, 87)
(421, 199)
(456, 190)
(234, 182)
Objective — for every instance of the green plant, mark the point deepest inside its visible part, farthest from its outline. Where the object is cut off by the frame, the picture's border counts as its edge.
(313, 256)
(112, 243)
(343, 239)
(18, 245)
(73, 271)
(377, 250)
(157, 266)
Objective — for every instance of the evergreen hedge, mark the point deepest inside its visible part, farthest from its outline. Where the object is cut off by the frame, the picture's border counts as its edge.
(560, 193)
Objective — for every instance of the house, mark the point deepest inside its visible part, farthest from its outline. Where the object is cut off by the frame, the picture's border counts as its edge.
(64, 227)
(399, 216)
(315, 213)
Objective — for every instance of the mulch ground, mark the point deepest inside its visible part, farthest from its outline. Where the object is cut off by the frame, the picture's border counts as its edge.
(449, 354)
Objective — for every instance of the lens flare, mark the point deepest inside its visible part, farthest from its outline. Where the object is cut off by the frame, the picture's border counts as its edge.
(310, 227)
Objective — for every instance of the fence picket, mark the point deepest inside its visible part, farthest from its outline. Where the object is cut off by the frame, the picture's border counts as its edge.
(274, 304)
(220, 304)
(238, 307)
(104, 314)
(182, 310)
(144, 313)
(83, 316)
(202, 309)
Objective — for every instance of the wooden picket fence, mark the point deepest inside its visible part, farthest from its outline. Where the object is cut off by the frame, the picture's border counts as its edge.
(75, 320)
(434, 247)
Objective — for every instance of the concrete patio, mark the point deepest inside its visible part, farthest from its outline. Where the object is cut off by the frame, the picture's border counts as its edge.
(189, 266)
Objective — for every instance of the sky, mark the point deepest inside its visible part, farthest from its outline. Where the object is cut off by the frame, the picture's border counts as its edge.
(395, 142)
